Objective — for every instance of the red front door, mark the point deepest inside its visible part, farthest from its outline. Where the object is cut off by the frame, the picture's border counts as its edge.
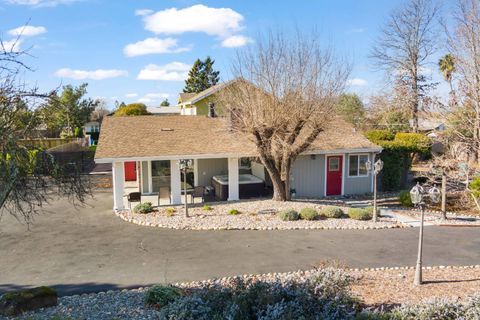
(130, 171)
(334, 175)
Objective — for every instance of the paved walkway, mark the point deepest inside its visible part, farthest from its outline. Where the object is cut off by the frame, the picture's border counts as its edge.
(90, 249)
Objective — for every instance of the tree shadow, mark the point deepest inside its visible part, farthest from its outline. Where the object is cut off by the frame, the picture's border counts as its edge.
(450, 281)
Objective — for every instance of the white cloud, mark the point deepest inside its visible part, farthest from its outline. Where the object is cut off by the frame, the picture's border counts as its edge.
(152, 46)
(143, 12)
(131, 95)
(175, 71)
(40, 3)
(198, 18)
(236, 41)
(12, 45)
(98, 74)
(27, 31)
(152, 97)
(357, 82)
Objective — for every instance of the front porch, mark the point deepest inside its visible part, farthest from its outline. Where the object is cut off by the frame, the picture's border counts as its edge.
(161, 182)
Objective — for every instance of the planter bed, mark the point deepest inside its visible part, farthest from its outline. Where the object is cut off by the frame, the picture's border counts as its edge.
(253, 215)
(435, 217)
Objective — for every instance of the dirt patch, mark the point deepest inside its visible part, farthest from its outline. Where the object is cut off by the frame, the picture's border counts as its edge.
(393, 287)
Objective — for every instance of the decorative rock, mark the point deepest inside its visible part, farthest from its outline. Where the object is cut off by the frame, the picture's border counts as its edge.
(15, 303)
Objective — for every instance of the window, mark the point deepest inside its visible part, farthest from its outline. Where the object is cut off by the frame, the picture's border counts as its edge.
(357, 165)
(333, 164)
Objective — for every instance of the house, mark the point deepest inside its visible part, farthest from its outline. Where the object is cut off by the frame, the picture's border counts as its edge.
(197, 103)
(163, 111)
(145, 151)
(92, 130)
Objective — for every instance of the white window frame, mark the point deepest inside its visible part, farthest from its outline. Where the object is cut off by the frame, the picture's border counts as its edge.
(358, 175)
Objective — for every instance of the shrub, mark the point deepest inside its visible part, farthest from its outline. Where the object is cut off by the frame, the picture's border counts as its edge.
(308, 214)
(360, 213)
(145, 207)
(379, 135)
(206, 207)
(132, 109)
(233, 212)
(159, 296)
(405, 199)
(332, 212)
(170, 211)
(289, 215)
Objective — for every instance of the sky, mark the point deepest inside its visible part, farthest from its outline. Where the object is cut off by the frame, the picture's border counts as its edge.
(141, 50)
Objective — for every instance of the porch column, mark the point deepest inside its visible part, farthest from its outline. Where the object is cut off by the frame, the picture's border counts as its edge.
(118, 178)
(233, 179)
(175, 182)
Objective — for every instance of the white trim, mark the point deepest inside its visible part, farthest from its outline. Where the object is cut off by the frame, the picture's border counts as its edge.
(358, 164)
(326, 172)
(175, 182)
(233, 179)
(228, 155)
(118, 181)
(150, 180)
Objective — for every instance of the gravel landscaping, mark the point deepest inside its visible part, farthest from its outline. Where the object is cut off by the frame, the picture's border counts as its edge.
(377, 289)
(435, 217)
(252, 215)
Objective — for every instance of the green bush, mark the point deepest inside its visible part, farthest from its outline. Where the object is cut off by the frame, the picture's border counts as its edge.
(206, 207)
(332, 212)
(308, 214)
(360, 213)
(474, 187)
(289, 215)
(170, 211)
(145, 207)
(405, 199)
(379, 135)
(159, 296)
(233, 212)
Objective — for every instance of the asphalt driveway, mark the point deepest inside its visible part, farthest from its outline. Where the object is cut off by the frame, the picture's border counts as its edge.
(89, 249)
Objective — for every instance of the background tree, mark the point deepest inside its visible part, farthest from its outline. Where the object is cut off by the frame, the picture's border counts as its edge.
(132, 109)
(69, 111)
(202, 76)
(100, 111)
(351, 109)
(406, 43)
(28, 177)
(464, 44)
(165, 103)
(446, 65)
(290, 93)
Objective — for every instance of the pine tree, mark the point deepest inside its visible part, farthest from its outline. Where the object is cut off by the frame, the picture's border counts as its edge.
(202, 76)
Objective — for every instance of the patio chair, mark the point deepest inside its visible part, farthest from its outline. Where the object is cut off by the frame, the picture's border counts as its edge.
(133, 197)
(198, 192)
(164, 192)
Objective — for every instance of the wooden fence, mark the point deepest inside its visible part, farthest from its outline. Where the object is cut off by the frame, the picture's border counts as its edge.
(49, 143)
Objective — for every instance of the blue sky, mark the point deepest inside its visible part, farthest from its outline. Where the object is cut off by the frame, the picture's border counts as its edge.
(139, 50)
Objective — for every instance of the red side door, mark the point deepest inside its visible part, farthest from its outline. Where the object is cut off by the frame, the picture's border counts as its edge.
(130, 171)
(334, 175)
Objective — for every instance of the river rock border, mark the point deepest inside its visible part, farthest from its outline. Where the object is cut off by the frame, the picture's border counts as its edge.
(121, 215)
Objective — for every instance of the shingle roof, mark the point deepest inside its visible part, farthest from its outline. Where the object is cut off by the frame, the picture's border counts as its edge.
(180, 136)
(185, 96)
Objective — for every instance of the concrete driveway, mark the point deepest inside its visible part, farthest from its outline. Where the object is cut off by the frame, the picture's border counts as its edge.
(89, 249)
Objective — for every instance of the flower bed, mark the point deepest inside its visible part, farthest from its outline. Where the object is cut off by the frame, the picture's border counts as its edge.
(249, 215)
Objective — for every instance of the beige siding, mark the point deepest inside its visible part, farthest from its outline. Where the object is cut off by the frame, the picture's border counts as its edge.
(357, 185)
(145, 177)
(207, 168)
(308, 176)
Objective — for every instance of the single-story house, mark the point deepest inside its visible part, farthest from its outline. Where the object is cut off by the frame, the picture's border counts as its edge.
(146, 150)
(164, 111)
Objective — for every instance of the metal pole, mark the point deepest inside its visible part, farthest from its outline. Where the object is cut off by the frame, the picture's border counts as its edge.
(374, 196)
(444, 195)
(418, 268)
(185, 190)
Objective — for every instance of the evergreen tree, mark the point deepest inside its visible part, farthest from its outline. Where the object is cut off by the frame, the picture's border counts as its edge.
(165, 103)
(202, 76)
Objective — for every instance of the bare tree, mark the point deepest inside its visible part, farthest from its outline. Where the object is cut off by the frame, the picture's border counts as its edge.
(464, 44)
(404, 47)
(287, 94)
(29, 177)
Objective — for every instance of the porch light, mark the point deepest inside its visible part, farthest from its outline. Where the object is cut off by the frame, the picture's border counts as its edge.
(416, 194)
(435, 194)
(378, 166)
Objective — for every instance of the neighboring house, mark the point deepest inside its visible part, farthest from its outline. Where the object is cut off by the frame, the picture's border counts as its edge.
(92, 131)
(197, 103)
(430, 127)
(164, 111)
(147, 150)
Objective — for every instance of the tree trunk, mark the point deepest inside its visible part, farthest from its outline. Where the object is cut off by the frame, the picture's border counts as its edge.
(279, 193)
(416, 97)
